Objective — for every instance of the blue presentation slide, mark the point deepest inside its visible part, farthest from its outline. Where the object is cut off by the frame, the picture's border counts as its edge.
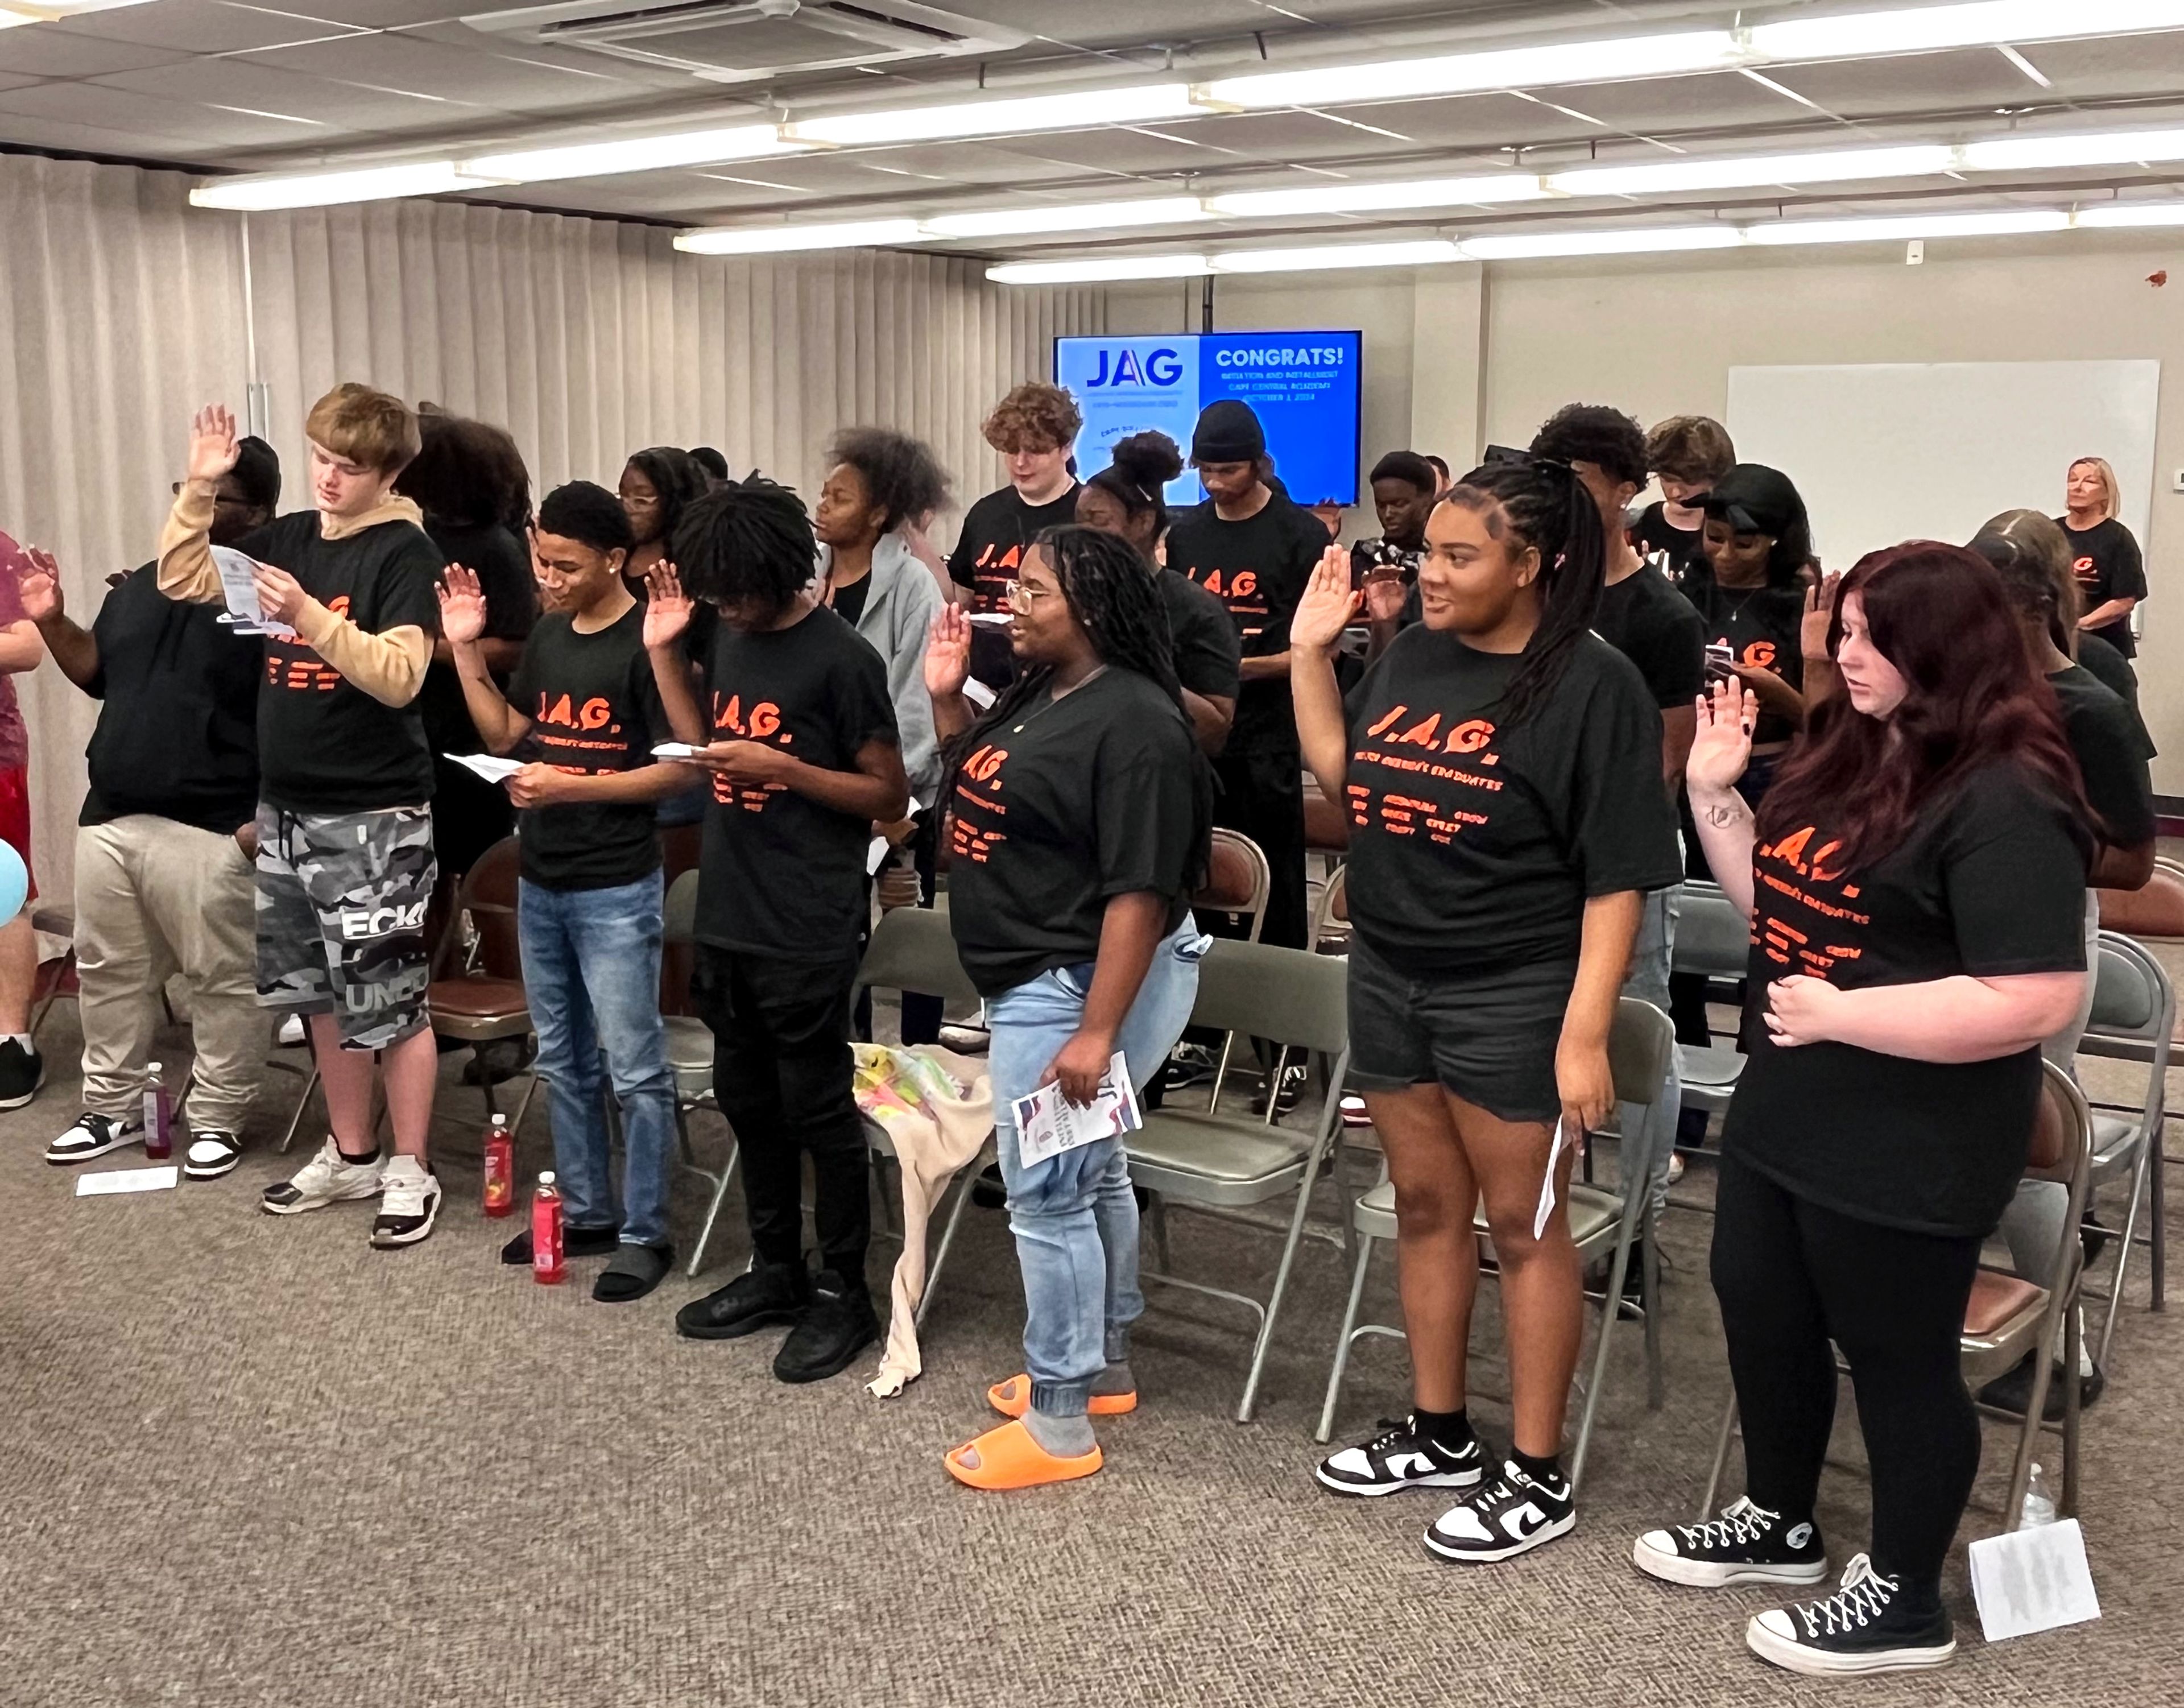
(1304, 386)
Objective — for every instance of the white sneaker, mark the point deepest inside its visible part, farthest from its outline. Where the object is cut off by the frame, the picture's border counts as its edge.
(213, 1151)
(290, 1032)
(93, 1135)
(326, 1178)
(408, 1206)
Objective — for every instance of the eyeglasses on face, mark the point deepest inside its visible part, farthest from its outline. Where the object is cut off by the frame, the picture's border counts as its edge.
(1018, 597)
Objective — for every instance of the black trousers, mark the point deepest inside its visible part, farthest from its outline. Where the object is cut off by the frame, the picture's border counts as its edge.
(1262, 796)
(1791, 1276)
(781, 1073)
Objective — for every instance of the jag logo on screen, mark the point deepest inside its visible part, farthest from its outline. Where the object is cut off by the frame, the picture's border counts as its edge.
(1123, 368)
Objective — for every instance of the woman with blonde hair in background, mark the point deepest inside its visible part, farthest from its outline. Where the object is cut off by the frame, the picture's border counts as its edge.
(2104, 555)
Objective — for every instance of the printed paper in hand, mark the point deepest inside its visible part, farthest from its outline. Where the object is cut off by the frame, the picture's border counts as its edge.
(2032, 1580)
(676, 750)
(126, 1180)
(493, 769)
(1547, 1186)
(1048, 1123)
(979, 693)
(238, 585)
(876, 856)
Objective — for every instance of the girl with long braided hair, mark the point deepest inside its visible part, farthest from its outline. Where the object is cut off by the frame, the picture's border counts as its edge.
(1501, 766)
(1081, 816)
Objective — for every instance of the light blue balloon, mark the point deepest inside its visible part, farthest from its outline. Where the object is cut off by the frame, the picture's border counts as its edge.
(14, 882)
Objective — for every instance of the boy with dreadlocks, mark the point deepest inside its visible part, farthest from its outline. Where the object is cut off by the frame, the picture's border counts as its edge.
(799, 735)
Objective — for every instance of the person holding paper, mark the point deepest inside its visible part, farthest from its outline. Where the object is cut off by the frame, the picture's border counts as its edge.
(1916, 879)
(1082, 818)
(798, 736)
(1501, 766)
(584, 702)
(345, 867)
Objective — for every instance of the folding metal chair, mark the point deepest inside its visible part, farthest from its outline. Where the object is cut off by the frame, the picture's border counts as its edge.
(56, 979)
(1602, 1224)
(1713, 941)
(479, 999)
(2133, 1019)
(690, 1054)
(1330, 916)
(1238, 881)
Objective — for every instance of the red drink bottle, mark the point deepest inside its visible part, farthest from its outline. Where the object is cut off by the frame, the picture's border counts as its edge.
(159, 1117)
(500, 1168)
(546, 1265)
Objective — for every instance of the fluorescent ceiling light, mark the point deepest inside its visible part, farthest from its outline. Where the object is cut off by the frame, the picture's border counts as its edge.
(2134, 213)
(1518, 246)
(1084, 216)
(1504, 68)
(1984, 24)
(326, 189)
(2097, 148)
(1425, 252)
(1729, 174)
(1098, 108)
(777, 240)
(1100, 271)
(1365, 198)
(1899, 226)
(635, 154)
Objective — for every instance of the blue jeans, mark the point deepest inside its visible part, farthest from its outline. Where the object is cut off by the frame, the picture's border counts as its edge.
(1074, 1216)
(591, 969)
(1655, 1143)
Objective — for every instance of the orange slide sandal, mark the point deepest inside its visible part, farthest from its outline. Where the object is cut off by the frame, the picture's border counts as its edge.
(1012, 1399)
(1007, 1457)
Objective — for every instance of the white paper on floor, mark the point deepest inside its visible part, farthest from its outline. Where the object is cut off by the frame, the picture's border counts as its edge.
(126, 1180)
(2032, 1580)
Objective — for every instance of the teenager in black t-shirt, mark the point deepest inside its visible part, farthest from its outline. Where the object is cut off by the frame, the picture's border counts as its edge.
(2105, 557)
(585, 709)
(1034, 428)
(1917, 906)
(1081, 811)
(1685, 454)
(1405, 486)
(1500, 768)
(801, 741)
(1125, 499)
(1750, 594)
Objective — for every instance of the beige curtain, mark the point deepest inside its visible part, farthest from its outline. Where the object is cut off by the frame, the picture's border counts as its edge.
(122, 307)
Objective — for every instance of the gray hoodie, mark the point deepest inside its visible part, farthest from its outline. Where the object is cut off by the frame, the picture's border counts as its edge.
(898, 619)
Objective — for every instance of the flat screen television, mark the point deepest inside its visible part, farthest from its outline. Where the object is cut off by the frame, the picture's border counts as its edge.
(1304, 386)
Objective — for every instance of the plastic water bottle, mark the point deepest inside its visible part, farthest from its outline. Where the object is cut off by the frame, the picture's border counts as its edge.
(500, 1169)
(2039, 1503)
(547, 1267)
(159, 1117)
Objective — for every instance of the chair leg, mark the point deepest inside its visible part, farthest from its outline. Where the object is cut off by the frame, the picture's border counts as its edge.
(2121, 1273)
(1282, 1274)
(303, 1104)
(713, 1208)
(947, 1238)
(1611, 1307)
(1649, 1268)
(1341, 1365)
(523, 1106)
(485, 1082)
(2028, 1436)
(2073, 1333)
(1159, 1219)
(2160, 1209)
(1711, 1505)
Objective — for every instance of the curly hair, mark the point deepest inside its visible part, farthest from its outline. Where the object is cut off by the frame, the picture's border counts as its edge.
(467, 473)
(1408, 467)
(1594, 433)
(748, 543)
(587, 514)
(1143, 464)
(900, 474)
(1034, 416)
(675, 476)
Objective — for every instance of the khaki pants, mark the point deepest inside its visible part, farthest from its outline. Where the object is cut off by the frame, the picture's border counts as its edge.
(154, 897)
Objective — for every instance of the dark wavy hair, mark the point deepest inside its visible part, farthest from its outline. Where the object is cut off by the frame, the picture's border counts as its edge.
(900, 474)
(1119, 607)
(467, 473)
(588, 514)
(1939, 615)
(748, 542)
(675, 476)
(1142, 466)
(1595, 433)
(1542, 503)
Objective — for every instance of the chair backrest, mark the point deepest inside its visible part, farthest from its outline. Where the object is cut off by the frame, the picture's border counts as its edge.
(2153, 910)
(1330, 919)
(680, 846)
(912, 948)
(2131, 994)
(488, 895)
(2062, 1147)
(1287, 995)
(1639, 1045)
(1326, 825)
(1713, 940)
(1238, 880)
(679, 918)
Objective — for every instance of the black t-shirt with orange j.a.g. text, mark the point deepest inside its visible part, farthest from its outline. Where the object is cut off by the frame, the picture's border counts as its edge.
(1474, 846)
(1990, 883)
(780, 874)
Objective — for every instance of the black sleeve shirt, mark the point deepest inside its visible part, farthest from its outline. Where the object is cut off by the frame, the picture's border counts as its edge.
(1761, 627)
(1655, 626)
(1207, 653)
(1257, 569)
(2114, 754)
(2106, 560)
(996, 530)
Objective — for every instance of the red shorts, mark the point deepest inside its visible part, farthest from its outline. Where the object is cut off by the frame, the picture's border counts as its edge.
(15, 818)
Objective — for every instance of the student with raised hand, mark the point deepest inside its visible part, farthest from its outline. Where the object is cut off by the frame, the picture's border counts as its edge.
(583, 703)
(1752, 594)
(1082, 820)
(1127, 499)
(345, 867)
(1500, 767)
(1916, 881)
(1686, 454)
(2104, 555)
(800, 739)
(165, 841)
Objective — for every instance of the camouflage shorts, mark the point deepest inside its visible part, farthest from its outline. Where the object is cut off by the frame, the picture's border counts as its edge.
(341, 918)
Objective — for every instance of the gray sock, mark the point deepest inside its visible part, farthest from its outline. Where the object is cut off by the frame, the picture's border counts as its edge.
(1115, 1378)
(1065, 1438)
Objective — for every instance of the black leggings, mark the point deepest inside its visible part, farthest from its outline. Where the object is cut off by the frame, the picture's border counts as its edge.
(1791, 1276)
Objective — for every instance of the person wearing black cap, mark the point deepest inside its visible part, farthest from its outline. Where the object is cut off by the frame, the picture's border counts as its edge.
(1758, 546)
(1254, 551)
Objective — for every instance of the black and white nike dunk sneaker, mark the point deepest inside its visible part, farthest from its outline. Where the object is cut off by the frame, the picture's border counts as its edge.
(1401, 1458)
(1864, 1627)
(1747, 1545)
(1510, 1516)
(93, 1135)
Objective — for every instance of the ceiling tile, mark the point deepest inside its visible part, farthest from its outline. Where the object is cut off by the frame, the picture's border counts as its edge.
(196, 132)
(55, 50)
(2112, 65)
(463, 77)
(201, 26)
(335, 109)
(1916, 82)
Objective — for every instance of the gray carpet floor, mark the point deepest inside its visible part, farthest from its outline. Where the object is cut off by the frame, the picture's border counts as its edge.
(249, 1461)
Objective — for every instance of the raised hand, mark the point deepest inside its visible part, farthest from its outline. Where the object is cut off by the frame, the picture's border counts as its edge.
(948, 653)
(667, 607)
(1328, 604)
(41, 586)
(1385, 595)
(213, 445)
(1723, 746)
(462, 606)
(1819, 614)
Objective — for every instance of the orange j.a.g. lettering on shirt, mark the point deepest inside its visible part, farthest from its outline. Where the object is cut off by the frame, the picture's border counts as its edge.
(975, 824)
(292, 664)
(759, 721)
(1400, 742)
(1797, 898)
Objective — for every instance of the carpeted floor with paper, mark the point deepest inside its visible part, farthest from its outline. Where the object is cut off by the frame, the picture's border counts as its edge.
(249, 1461)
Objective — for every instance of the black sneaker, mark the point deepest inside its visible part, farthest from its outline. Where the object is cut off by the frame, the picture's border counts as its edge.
(93, 1135)
(1514, 1513)
(22, 1071)
(1862, 1627)
(1290, 1094)
(1747, 1545)
(409, 1204)
(2012, 1392)
(576, 1242)
(1401, 1459)
(763, 1294)
(1189, 1063)
(837, 1326)
(989, 1191)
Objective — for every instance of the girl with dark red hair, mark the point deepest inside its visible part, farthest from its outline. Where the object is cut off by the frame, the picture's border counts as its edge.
(1916, 879)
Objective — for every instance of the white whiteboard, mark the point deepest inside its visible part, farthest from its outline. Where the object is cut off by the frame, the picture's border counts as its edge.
(1892, 451)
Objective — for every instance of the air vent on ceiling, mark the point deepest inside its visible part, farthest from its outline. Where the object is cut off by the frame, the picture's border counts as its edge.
(747, 41)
